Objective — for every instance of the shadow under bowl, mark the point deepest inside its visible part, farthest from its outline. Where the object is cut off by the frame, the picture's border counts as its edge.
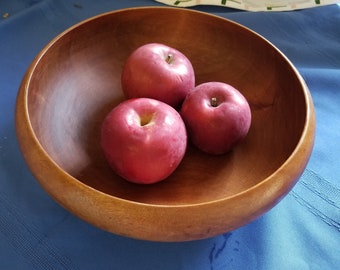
(75, 81)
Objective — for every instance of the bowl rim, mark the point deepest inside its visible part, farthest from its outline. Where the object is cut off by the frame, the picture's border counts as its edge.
(306, 139)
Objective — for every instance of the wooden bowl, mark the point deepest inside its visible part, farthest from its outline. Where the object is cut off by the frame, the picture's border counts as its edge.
(75, 81)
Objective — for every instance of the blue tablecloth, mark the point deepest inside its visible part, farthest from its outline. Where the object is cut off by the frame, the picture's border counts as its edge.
(301, 232)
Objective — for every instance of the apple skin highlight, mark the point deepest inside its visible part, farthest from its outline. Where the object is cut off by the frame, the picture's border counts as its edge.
(144, 140)
(158, 71)
(217, 117)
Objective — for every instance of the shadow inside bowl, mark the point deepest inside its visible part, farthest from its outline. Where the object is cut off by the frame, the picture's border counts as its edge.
(77, 82)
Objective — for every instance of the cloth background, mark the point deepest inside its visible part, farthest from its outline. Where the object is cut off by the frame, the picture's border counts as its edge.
(301, 232)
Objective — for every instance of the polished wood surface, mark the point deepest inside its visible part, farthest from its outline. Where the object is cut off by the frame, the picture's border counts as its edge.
(75, 81)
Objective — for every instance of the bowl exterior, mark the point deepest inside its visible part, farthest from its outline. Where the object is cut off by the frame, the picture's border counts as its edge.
(159, 222)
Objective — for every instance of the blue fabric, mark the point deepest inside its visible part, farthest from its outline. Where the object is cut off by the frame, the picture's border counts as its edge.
(301, 232)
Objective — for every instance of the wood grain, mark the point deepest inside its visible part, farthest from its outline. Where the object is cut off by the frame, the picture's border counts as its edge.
(75, 81)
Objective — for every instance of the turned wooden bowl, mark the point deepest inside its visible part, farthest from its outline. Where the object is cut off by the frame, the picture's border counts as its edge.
(75, 81)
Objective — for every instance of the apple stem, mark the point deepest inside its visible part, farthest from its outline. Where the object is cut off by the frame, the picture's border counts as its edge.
(169, 58)
(213, 102)
(145, 119)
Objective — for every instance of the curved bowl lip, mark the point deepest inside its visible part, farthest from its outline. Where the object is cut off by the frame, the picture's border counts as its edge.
(308, 129)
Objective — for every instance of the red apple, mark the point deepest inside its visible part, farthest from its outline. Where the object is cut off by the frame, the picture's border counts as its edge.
(158, 71)
(217, 117)
(144, 140)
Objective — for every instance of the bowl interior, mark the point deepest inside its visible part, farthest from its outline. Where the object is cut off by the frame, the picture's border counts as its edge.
(76, 82)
